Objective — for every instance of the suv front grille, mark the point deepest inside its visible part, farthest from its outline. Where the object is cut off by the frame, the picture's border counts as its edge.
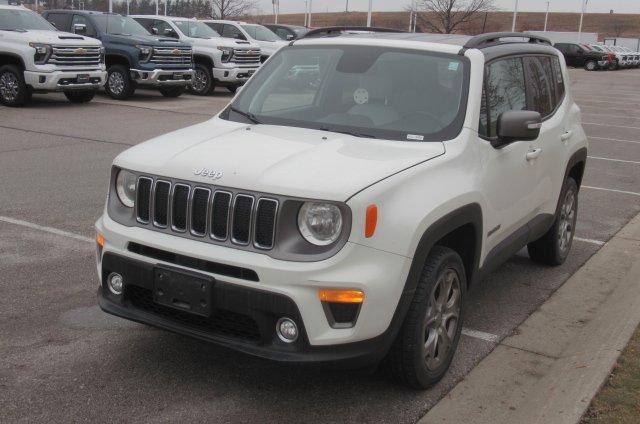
(246, 57)
(172, 56)
(76, 56)
(206, 213)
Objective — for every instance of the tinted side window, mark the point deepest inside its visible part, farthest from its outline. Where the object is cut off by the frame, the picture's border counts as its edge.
(559, 82)
(229, 31)
(146, 23)
(540, 92)
(164, 29)
(282, 33)
(504, 91)
(62, 21)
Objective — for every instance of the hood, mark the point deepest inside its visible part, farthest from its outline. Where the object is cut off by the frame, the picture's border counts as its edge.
(223, 42)
(274, 159)
(150, 40)
(58, 38)
(271, 47)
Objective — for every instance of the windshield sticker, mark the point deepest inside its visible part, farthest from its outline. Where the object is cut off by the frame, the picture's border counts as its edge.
(361, 96)
(453, 66)
(415, 137)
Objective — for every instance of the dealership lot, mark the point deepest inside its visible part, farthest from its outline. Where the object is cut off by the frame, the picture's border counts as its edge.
(61, 359)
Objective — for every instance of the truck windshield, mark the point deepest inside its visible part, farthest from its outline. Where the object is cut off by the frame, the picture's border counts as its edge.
(261, 33)
(196, 29)
(365, 91)
(119, 25)
(23, 20)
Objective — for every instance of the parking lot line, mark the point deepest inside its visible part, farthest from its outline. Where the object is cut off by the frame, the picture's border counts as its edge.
(50, 230)
(73, 137)
(612, 125)
(611, 190)
(614, 160)
(487, 337)
(613, 139)
(590, 241)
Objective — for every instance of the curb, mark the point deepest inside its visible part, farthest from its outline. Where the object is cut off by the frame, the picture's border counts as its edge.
(557, 360)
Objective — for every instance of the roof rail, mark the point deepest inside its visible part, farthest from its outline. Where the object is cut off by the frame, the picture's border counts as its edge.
(494, 37)
(337, 30)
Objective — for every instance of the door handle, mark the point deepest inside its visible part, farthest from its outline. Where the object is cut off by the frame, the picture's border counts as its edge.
(566, 135)
(533, 154)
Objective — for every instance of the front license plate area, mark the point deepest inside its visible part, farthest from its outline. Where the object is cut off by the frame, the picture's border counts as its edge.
(183, 291)
(83, 78)
(178, 76)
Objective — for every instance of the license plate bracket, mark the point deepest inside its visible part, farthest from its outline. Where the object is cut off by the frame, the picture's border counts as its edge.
(82, 78)
(178, 75)
(187, 292)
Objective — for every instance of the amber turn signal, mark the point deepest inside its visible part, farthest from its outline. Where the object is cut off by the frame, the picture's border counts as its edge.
(341, 296)
(371, 220)
(100, 239)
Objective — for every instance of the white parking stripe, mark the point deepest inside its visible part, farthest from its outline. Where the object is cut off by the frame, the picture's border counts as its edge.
(50, 230)
(613, 139)
(615, 160)
(590, 241)
(487, 337)
(612, 190)
(611, 125)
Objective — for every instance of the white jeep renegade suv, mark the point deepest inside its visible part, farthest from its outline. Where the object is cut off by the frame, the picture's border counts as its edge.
(342, 213)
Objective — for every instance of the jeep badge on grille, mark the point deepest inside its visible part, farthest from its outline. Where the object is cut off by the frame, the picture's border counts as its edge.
(208, 173)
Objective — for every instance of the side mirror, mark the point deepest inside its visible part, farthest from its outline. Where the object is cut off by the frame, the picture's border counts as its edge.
(289, 37)
(240, 36)
(154, 30)
(79, 29)
(170, 33)
(517, 125)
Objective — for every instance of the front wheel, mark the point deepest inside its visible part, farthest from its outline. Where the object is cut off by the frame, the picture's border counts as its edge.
(83, 96)
(423, 350)
(203, 83)
(172, 92)
(614, 65)
(14, 92)
(591, 65)
(554, 246)
(119, 85)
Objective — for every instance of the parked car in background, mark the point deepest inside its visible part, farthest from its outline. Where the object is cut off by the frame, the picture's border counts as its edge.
(288, 32)
(35, 56)
(133, 56)
(633, 56)
(581, 56)
(620, 59)
(268, 41)
(217, 60)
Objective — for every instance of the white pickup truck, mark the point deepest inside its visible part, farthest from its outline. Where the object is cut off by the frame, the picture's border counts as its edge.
(217, 61)
(35, 57)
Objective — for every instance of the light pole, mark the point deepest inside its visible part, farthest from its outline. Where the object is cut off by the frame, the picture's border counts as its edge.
(584, 8)
(515, 13)
(369, 13)
(546, 17)
(310, 7)
(157, 7)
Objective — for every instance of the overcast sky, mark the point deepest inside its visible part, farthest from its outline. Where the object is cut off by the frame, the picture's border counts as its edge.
(602, 6)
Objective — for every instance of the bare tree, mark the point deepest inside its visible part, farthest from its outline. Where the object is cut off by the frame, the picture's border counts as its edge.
(448, 16)
(224, 9)
(618, 27)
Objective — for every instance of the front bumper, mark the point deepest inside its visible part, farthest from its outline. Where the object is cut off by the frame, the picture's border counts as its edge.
(603, 63)
(65, 80)
(162, 77)
(233, 75)
(283, 288)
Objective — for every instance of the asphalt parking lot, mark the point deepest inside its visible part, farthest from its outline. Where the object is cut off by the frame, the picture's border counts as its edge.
(63, 360)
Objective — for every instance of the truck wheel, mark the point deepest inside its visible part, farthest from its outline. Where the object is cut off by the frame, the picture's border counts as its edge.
(172, 92)
(614, 65)
(83, 96)
(427, 341)
(554, 246)
(14, 92)
(203, 83)
(591, 65)
(119, 85)
(233, 88)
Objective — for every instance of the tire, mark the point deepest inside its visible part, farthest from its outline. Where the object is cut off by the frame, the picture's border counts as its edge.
(14, 92)
(233, 88)
(84, 96)
(119, 85)
(554, 246)
(425, 325)
(591, 65)
(172, 92)
(203, 82)
(614, 65)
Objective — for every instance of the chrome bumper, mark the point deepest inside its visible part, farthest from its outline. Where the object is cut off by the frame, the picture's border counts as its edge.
(162, 77)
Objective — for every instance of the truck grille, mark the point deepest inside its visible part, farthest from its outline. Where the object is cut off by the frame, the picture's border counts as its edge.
(172, 56)
(207, 213)
(246, 56)
(76, 56)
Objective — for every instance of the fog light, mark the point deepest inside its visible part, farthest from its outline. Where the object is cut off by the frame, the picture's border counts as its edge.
(287, 330)
(115, 282)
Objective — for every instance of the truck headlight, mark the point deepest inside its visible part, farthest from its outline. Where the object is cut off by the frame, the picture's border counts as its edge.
(320, 223)
(42, 53)
(227, 52)
(102, 54)
(126, 188)
(145, 53)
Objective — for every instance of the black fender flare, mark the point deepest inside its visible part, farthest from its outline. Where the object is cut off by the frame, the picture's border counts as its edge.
(14, 56)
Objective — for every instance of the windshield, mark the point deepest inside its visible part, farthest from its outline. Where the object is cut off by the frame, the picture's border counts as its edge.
(261, 33)
(196, 29)
(597, 48)
(22, 20)
(374, 92)
(119, 25)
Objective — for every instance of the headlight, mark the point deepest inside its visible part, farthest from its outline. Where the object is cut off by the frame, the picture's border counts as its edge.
(145, 53)
(102, 54)
(42, 54)
(126, 188)
(227, 52)
(320, 223)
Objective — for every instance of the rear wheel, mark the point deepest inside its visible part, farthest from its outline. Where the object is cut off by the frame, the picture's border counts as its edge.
(203, 83)
(427, 341)
(554, 246)
(172, 92)
(591, 65)
(119, 84)
(14, 92)
(83, 96)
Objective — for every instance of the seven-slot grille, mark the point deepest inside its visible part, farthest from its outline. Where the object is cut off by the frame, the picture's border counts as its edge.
(75, 56)
(166, 56)
(246, 57)
(207, 213)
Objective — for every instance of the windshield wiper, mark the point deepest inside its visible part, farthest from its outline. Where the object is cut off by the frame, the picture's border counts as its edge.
(120, 33)
(250, 116)
(353, 133)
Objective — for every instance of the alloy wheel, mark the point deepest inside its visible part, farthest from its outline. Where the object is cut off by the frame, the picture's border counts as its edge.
(567, 221)
(116, 83)
(442, 319)
(200, 81)
(9, 86)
